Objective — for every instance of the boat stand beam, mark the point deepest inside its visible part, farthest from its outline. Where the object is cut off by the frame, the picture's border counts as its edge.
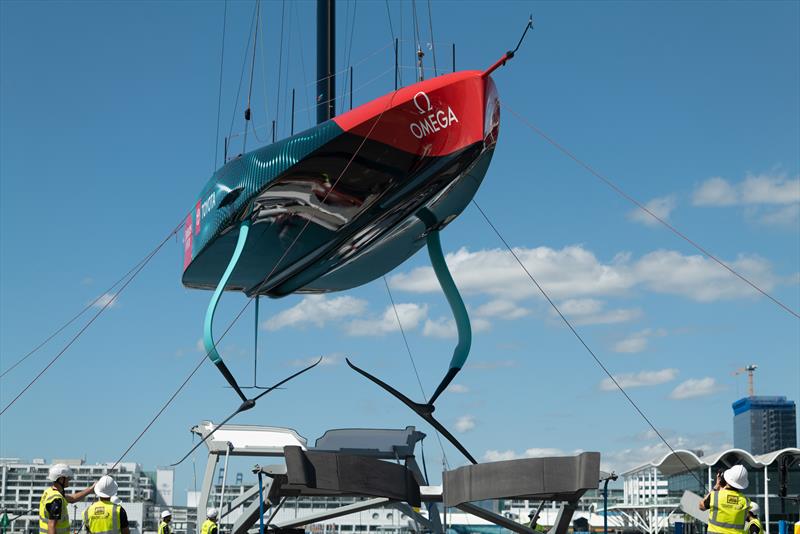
(332, 514)
(417, 517)
(208, 481)
(250, 514)
(227, 508)
(435, 522)
(497, 519)
(564, 518)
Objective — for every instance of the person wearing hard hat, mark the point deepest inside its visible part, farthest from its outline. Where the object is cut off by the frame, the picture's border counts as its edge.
(105, 516)
(727, 507)
(166, 519)
(210, 524)
(753, 525)
(53, 513)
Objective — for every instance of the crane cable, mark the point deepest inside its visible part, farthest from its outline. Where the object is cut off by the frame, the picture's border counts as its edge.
(416, 373)
(105, 306)
(649, 212)
(585, 345)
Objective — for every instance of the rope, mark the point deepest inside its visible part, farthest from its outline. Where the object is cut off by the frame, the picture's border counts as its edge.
(241, 76)
(644, 208)
(72, 320)
(219, 94)
(302, 63)
(578, 336)
(141, 266)
(433, 43)
(258, 289)
(248, 111)
(389, 15)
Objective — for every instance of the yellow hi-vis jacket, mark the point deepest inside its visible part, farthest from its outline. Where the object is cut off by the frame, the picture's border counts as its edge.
(728, 512)
(62, 523)
(209, 527)
(756, 522)
(163, 528)
(102, 518)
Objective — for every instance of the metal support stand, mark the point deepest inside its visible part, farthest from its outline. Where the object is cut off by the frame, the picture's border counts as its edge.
(497, 519)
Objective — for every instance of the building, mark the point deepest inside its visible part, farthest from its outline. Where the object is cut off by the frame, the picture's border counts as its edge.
(22, 484)
(763, 424)
(773, 477)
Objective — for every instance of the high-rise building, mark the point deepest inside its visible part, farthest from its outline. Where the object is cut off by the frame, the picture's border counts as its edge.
(764, 424)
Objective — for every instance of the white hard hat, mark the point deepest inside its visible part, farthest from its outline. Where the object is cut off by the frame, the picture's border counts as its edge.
(166, 513)
(116, 500)
(736, 476)
(754, 507)
(106, 487)
(59, 470)
(211, 513)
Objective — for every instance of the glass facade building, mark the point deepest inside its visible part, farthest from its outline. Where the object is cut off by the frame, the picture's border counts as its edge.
(764, 424)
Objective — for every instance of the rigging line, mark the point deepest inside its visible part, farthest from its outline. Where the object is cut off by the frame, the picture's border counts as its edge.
(413, 365)
(433, 43)
(73, 319)
(644, 208)
(580, 338)
(263, 69)
(260, 286)
(287, 110)
(280, 64)
(252, 72)
(302, 62)
(219, 94)
(349, 53)
(94, 317)
(241, 76)
(389, 15)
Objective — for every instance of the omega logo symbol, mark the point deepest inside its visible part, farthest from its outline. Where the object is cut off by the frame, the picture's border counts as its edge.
(432, 121)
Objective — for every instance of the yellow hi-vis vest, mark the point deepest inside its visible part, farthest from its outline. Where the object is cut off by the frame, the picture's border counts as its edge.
(163, 528)
(62, 523)
(208, 526)
(756, 522)
(102, 518)
(728, 512)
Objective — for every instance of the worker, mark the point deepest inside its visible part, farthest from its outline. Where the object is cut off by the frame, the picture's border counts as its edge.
(103, 516)
(210, 524)
(166, 519)
(53, 513)
(753, 525)
(726, 505)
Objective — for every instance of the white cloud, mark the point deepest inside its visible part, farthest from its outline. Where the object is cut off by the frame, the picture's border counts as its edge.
(637, 341)
(458, 388)
(788, 216)
(628, 458)
(316, 310)
(591, 311)
(445, 327)
(640, 379)
(106, 300)
(200, 346)
(695, 387)
(411, 315)
(328, 359)
(753, 190)
(501, 309)
(661, 207)
(465, 423)
(576, 273)
(715, 192)
(493, 455)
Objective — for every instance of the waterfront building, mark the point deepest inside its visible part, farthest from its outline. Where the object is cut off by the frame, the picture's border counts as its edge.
(763, 424)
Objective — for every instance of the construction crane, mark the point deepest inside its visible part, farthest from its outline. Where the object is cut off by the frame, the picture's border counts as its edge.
(750, 369)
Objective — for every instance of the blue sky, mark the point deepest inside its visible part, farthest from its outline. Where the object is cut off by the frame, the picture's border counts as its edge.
(108, 132)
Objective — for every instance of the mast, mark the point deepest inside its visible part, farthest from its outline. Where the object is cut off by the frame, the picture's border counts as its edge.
(326, 60)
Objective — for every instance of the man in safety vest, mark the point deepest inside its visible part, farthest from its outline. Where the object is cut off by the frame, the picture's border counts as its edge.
(104, 516)
(210, 524)
(53, 513)
(166, 518)
(753, 525)
(727, 507)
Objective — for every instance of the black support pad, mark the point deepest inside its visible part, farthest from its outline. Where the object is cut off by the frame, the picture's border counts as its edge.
(558, 478)
(350, 474)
